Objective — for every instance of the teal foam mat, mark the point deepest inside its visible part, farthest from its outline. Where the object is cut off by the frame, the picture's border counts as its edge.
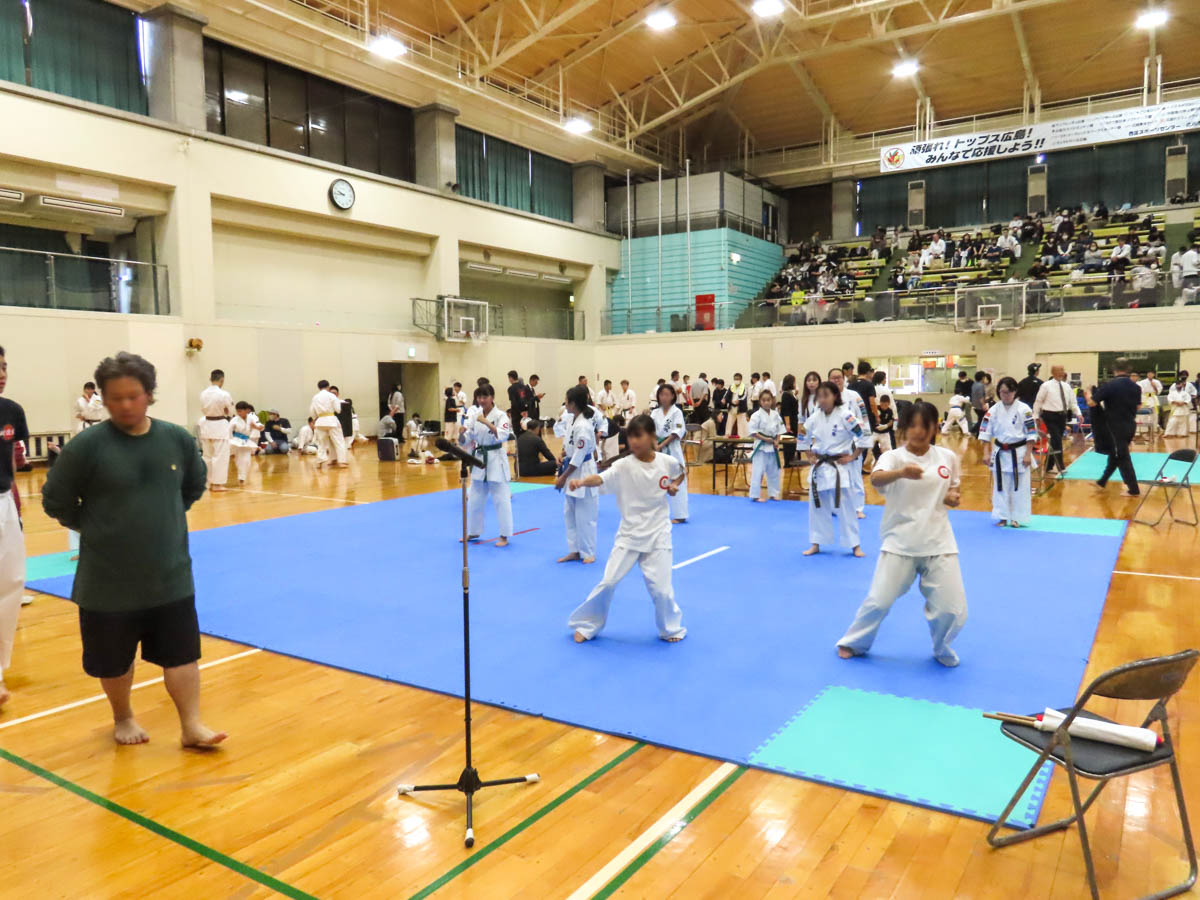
(1076, 525)
(1090, 466)
(931, 754)
(52, 565)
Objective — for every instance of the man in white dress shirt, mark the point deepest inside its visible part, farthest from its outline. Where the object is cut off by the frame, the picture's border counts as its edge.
(1055, 405)
(89, 409)
(216, 410)
(328, 428)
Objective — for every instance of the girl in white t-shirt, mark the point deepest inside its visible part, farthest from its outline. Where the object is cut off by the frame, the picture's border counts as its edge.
(643, 482)
(919, 482)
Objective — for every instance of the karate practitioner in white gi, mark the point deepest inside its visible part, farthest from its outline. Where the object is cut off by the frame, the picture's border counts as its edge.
(643, 483)
(765, 427)
(324, 411)
(13, 430)
(244, 431)
(832, 433)
(216, 407)
(669, 429)
(956, 416)
(919, 482)
(485, 435)
(580, 505)
(89, 409)
(854, 402)
(1009, 431)
(628, 400)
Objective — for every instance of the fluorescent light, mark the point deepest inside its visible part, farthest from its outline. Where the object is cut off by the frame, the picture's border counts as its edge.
(557, 279)
(766, 9)
(906, 68)
(661, 20)
(1152, 18)
(577, 125)
(735, 258)
(520, 273)
(386, 46)
(11, 195)
(485, 267)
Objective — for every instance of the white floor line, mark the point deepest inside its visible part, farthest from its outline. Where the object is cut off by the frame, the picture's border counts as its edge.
(141, 684)
(590, 887)
(688, 562)
(1156, 575)
(298, 496)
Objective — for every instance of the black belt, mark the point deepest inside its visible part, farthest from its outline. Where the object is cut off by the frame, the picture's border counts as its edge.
(837, 491)
(1011, 448)
(218, 418)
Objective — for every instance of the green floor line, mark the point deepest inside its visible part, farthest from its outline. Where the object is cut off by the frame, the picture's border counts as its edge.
(669, 835)
(161, 830)
(517, 829)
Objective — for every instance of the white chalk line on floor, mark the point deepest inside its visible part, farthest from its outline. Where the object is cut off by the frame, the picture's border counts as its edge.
(297, 496)
(688, 562)
(1156, 575)
(589, 888)
(141, 684)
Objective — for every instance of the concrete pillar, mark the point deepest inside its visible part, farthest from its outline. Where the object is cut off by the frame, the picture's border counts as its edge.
(587, 183)
(845, 203)
(437, 166)
(176, 64)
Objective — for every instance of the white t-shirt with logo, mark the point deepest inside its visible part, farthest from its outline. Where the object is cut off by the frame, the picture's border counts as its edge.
(916, 520)
(641, 492)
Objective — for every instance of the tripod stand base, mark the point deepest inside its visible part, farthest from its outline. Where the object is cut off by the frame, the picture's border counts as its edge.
(468, 783)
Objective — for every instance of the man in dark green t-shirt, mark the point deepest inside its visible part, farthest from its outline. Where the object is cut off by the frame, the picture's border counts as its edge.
(125, 485)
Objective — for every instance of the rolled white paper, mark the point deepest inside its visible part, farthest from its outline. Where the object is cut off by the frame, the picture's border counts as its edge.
(1109, 732)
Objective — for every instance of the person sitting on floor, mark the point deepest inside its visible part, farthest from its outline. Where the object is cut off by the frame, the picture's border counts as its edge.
(534, 459)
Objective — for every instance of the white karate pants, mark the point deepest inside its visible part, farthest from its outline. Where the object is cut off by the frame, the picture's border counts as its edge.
(765, 462)
(216, 458)
(579, 514)
(1012, 504)
(477, 497)
(678, 504)
(330, 439)
(591, 615)
(820, 521)
(1177, 425)
(12, 576)
(941, 586)
(955, 417)
(858, 490)
(241, 459)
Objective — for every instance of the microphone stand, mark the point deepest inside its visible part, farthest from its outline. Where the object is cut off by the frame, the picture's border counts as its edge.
(468, 782)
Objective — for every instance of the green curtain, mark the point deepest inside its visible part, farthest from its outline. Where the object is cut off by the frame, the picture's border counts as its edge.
(954, 196)
(552, 188)
(1132, 172)
(1071, 178)
(88, 49)
(883, 201)
(1192, 140)
(508, 174)
(1007, 187)
(472, 167)
(12, 49)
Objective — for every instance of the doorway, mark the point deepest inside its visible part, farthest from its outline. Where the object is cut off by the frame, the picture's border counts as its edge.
(419, 381)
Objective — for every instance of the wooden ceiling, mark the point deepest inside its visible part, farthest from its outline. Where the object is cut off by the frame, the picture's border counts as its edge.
(721, 71)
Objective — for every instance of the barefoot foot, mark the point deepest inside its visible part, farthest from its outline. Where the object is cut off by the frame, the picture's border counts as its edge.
(200, 737)
(674, 639)
(503, 542)
(588, 560)
(128, 731)
(678, 521)
(845, 652)
(811, 550)
(570, 557)
(857, 551)
(860, 514)
(579, 638)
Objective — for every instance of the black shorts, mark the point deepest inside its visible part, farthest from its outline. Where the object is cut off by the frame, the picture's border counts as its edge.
(169, 635)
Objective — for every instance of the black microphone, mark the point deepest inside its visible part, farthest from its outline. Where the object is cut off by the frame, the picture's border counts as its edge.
(458, 452)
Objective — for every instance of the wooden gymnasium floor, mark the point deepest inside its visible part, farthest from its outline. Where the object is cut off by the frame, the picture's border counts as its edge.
(301, 800)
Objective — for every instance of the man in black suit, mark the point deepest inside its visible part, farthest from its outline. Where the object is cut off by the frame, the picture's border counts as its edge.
(1114, 407)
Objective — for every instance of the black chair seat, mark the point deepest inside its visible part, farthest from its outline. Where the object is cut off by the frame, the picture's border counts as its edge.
(1094, 759)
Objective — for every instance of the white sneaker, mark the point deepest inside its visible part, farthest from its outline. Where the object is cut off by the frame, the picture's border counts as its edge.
(27, 600)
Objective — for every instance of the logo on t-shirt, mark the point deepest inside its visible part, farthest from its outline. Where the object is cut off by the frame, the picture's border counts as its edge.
(943, 472)
(664, 482)
(580, 444)
(8, 432)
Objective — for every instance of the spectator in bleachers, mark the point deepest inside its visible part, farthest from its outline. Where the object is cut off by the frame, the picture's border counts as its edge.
(1177, 267)
(1009, 246)
(937, 250)
(879, 244)
(1143, 278)
(1093, 258)
(915, 242)
(1189, 268)
(1015, 225)
(1122, 252)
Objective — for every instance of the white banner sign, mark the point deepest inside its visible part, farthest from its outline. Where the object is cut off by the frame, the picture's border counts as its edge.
(1098, 128)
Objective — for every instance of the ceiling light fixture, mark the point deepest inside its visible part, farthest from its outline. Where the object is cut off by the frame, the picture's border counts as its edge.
(577, 125)
(767, 9)
(1152, 18)
(386, 46)
(661, 20)
(906, 68)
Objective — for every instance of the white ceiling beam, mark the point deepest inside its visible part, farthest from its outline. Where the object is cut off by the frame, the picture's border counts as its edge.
(547, 27)
(1023, 48)
(814, 93)
(630, 23)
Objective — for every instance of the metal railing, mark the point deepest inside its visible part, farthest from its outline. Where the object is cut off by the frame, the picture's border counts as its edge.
(507, 320)
(38, 279)
(935, 305)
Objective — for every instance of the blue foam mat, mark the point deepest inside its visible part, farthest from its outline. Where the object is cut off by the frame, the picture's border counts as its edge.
(375, 589)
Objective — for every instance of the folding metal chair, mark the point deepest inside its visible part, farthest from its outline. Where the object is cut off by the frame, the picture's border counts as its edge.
(1171, 488)
(693, 437)
(1156, 679)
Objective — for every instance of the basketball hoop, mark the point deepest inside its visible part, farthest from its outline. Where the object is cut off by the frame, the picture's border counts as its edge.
(476, 338)
(988, 327)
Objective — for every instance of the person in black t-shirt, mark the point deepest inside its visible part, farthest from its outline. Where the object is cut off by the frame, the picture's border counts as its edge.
(534, 458)
(864, 386)
(12, 541)
(962, 387)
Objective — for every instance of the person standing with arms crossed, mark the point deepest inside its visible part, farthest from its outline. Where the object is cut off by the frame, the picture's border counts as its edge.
(126, 485)
(216, 405)
(13, 430)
